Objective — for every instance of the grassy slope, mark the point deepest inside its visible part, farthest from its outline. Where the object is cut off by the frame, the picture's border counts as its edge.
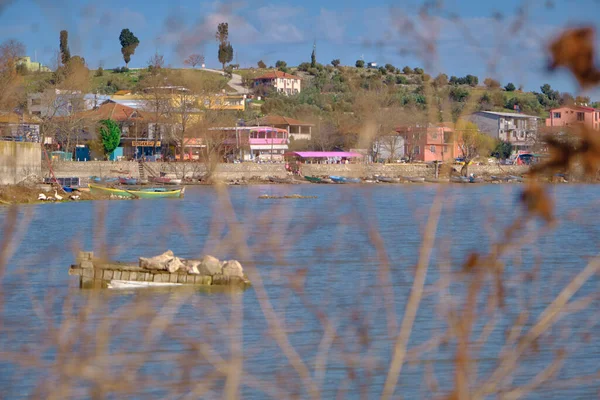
(129, 80)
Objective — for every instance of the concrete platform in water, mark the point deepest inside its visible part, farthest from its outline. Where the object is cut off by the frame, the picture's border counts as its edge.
(96, 273)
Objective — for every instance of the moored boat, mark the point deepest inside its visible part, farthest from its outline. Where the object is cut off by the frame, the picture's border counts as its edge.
(416, 179)
(147, 193)
(128, 181)
(387, 179)
(344, 179)
(313, 179)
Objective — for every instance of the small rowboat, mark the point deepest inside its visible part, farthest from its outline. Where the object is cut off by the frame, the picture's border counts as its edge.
(313, 179)
(387, 179)
(120, 284)
(343, 179)
(128, 181)
(149, 193)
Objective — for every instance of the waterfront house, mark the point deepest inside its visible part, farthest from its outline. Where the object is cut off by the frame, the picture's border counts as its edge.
(249, 143)
(574, 115)
(297, 130)
(279, 81)
(429, 143)
(520, 130)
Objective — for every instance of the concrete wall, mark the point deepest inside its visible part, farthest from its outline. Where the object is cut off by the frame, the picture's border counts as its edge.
(84, 170)
(18, 160)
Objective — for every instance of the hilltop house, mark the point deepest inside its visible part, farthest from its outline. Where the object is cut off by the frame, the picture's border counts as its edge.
(32, 66)
(518, 129)
(574, 115)
(280, 81)
(297, 130)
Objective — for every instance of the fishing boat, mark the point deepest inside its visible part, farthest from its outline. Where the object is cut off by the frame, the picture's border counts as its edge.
(459, 179)
(343, 179)
(121, 284)
(147, 193)
(275, 179)
(313, 179)
(416, 179)
(128, 181)
(165, 180)
(387, 179)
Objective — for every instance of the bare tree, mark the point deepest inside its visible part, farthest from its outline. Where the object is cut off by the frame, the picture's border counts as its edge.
(156, 63)
(471, 142)
(11, 85)
(157, 106)
(194, 59)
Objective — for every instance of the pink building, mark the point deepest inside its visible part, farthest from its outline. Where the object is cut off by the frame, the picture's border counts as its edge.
(573, 116)
(432, 143)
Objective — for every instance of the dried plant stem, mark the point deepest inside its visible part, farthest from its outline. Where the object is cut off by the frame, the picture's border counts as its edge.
(414, 300)
(539, 379)
(274, 322)
(545, 321)
(235, 365)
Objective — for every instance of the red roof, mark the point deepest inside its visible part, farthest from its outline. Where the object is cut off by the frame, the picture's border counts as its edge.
(279, 120)
(275, 75)
(114, 111)
(588, 109)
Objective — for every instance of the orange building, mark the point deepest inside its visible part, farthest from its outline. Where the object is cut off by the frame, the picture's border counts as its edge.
(431, 143)
(574, 116)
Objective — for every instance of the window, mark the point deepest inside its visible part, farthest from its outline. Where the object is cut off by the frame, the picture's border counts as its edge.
(206, 103)
(556, 115)
(580, 116)
(416, 150)
(36, 102)
(432, 149)
(597, 116)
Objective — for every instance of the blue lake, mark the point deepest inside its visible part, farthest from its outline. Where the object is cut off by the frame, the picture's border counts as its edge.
(333, 273)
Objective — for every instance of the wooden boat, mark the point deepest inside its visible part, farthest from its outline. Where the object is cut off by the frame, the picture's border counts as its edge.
(459, 179)
(147, 193)
(128, 181)
(343, 179)
(313, 179)
(120, 284)
(411, 179)
(387, 179)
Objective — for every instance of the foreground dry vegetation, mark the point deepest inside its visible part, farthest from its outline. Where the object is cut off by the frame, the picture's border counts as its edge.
(479, 347)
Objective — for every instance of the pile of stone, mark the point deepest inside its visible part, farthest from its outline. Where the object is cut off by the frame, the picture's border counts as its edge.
(207, 266)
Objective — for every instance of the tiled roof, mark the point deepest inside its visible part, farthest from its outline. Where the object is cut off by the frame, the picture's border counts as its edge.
(582, 108)
(277, 74)
(114, 111)
(279, 120)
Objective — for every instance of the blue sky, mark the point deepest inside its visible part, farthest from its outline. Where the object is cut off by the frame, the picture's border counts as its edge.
(476, 42)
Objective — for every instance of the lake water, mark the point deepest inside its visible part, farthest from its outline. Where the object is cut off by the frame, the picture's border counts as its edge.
(335, 275)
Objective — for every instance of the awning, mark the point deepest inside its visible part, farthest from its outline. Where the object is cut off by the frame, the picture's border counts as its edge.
(324, 154)
(268, 147)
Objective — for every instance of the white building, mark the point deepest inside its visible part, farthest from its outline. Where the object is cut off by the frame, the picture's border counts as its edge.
(280, 81)
(518, 129)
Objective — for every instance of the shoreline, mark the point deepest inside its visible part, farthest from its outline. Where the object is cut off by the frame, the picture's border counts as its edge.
(22, 194)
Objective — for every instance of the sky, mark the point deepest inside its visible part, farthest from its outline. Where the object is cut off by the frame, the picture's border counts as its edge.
(506, 40)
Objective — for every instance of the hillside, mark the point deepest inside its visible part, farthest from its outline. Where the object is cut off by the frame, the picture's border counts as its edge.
(109, 81)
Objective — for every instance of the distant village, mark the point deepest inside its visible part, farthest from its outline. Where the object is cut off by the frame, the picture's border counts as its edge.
(152, 123)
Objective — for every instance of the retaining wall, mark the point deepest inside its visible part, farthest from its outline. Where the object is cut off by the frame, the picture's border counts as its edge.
(18, 160)
(225, 172)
